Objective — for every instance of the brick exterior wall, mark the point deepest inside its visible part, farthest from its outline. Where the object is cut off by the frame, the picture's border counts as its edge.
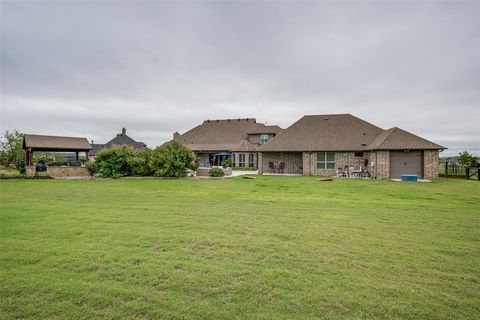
(382, 164)
(293, 162)
(309, 160)
(430, 164)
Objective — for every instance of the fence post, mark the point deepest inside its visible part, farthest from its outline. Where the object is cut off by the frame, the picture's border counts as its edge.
(467, 173)
(446, 169)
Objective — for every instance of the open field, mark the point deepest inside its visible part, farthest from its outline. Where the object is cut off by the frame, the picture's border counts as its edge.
(274, 247)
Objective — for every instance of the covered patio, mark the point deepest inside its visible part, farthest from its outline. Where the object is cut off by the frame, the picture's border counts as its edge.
(40, 143)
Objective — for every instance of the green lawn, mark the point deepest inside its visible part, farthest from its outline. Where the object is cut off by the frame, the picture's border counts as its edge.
(270, 248)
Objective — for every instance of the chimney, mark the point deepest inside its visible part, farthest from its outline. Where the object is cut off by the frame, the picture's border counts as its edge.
(176, 136)
(124, 131)
(92, 141)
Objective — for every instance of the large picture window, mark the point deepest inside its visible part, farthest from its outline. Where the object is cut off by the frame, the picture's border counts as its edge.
(263, 138)
(325, 160)
(241, 160)
(251, 162)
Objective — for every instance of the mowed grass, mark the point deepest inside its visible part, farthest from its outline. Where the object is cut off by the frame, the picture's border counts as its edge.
(270, 248)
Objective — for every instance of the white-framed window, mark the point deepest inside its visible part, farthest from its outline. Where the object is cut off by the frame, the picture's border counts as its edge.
(263, 138)
(325, 160)
(251, 158)
(241, 160)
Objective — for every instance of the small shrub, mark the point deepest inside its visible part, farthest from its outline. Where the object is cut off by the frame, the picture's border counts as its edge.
(92, 168)
(216, 172)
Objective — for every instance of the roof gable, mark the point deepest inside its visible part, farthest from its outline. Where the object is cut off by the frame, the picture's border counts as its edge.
(398, 139)
(124, 140)
(245, 146)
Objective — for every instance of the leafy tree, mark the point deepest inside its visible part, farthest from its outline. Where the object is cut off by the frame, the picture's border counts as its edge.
(114, 162)
(11, 148)
(172, 160)
(467, 159)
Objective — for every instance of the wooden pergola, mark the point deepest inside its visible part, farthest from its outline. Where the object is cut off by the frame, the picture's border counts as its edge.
(33, 142)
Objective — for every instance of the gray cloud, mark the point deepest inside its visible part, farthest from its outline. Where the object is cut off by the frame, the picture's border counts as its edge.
(89, 68)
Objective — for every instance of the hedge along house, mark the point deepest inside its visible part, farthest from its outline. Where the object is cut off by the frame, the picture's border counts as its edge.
(121, 139)
(40, 143)
(235, 140)
(326, 144)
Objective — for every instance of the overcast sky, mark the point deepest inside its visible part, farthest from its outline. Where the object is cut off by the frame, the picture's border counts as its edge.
(90, 68)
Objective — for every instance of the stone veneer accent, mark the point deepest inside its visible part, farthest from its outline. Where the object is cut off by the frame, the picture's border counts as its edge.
(30, 171)
(430, 164)
(309, 161)
(54, 171)
(382, 159)
(292, 160)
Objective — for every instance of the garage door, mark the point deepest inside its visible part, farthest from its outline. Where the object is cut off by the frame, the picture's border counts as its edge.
(406, 163)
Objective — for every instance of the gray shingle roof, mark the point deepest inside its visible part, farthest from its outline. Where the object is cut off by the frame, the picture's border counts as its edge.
(120, 140)
(35, 141)
(398, 139)
(330, 132)
(343, 132)
(223, 135)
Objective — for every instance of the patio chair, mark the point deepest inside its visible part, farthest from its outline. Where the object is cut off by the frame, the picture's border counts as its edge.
(281, 167)
(271, 166)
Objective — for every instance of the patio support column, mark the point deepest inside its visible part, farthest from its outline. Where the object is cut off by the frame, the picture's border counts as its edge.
(260, 163)
(76, 156)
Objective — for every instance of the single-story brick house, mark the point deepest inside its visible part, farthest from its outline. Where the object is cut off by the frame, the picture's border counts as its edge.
(121, 139)
(215, 141)
(325, 144)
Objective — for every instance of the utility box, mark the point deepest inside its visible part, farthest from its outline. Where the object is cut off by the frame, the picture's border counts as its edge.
(409, 177)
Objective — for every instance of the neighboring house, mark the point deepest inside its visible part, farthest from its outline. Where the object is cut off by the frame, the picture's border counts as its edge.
(215, 141)
(325, 144)
(120, 140)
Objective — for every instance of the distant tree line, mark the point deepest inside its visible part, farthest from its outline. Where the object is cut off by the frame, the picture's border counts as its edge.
(467, 159)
